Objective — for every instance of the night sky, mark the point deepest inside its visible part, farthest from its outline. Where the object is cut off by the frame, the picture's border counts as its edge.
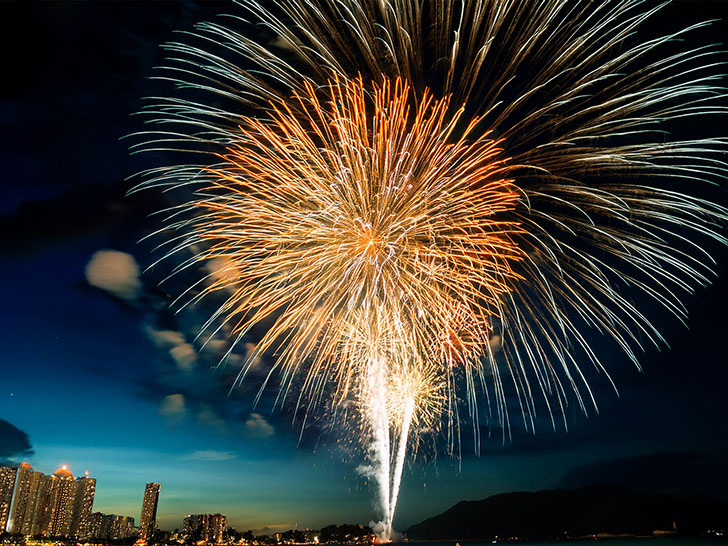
(98, 374)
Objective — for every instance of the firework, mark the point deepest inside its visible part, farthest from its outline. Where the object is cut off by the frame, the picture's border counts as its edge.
(427, 199)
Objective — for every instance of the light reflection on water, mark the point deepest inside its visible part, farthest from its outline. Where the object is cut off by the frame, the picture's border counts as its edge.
(606, 541)
(617, 541)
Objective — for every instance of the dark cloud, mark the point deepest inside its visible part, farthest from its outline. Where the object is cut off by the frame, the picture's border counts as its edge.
(86, 209)
(14, 443)
(675, 472)
(64, 121)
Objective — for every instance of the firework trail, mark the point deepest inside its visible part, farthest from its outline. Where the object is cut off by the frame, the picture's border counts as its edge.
(434, 201)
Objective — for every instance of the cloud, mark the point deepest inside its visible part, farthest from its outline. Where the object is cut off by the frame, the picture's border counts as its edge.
(207, 416)
(663, 472)
(249, 348)
(223, 270)
(13, 442)
(173, 408)
(164, 339)
(210, 455)
(496, 342)
(283, 43)
(234, 360)
(275, 527)
(115, 272)
(257, 426)
(184, 355)
(216, 346)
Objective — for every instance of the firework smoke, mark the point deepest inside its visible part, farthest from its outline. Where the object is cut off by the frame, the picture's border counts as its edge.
(429, 202)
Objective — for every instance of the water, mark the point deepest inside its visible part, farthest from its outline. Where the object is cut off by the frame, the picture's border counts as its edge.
(627, 541)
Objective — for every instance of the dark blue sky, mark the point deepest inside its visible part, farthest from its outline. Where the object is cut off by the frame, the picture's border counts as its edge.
(115, 385)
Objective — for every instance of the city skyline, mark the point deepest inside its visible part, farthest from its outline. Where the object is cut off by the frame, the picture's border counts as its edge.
(34, 503)
(20, 490)
(57, 505)
(98, 374)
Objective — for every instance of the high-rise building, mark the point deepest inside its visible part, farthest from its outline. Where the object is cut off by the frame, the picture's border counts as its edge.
(216, 527)
(123, 527)
(45, 504)
(83, 501)
(193, 526)
(32, 503)
(62, 506)
(24, 500)
(110, 526)
(95, 522)
(149, 511)
(7, 486)
(205, 527)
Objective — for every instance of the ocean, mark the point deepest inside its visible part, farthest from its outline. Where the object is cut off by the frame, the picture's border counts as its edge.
(619, 541)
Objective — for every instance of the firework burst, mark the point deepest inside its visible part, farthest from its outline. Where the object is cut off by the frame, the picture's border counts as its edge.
(431, 198)
(358, 231)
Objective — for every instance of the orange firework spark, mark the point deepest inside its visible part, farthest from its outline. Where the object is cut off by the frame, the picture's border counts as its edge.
(355, 213)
